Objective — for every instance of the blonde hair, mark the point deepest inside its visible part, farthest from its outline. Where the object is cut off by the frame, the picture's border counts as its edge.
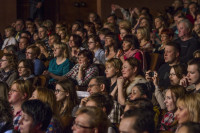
(192, 103)
(24, 87)
(48, 96)
(145, 33)
(64, 49)
(117, 64)
(125, 24)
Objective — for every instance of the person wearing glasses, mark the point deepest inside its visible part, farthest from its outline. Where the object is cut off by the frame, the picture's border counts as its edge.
(48, 96)
(94, 45)
(25, 70)
(20, 91)
(32, 53)
(90, 120)
(67, 98)
(8, 72)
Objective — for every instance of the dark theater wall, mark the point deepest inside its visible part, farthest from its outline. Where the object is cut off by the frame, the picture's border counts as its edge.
(66, 11)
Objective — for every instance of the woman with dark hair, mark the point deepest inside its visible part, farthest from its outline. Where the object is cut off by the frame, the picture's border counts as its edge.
(130, 47)
(8, 72)
(26, 70)
(84, 70)
(111, 46)
(75, 43)
(94, 45)
(67, 98)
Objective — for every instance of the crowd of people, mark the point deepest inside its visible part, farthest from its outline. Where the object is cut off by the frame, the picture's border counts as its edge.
(98, 76)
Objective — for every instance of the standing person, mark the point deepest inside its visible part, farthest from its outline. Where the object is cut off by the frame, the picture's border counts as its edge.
(36, 9)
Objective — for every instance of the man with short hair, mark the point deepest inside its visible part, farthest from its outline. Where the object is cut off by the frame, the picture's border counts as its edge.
(19, 26)
(23, 44)
(43, 35)
(137, 121)
(187, 43)
(36, 117)
(83, 34)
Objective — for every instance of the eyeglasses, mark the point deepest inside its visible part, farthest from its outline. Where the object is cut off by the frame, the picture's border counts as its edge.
(28, 53)
(172, 74)
(90, 86)
(21, 67)
(90, 42)
(58, 91)
(77, 125)
(2, 60)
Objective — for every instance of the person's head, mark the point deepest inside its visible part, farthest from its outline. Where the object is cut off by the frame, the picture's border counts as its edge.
(143, 34)
(42, 32)
(142, 103)
(184, 28)
(19, 25)
(137, 121)
(92, 17)
(159, 22)
(20, 91)
(193, 70)
(113, 68)
(130, 42)
(82, 33)
(23, 43)
(5, 115)
(90, 27)
(197, 26)
(145, 23)
(124, 32)
(105, 102)
(48, 24)
(140, 90)
(125, 24)
(94, 42)
(47, 96)
(8, 62)
(112, 19)
(4, 90)
(66, 94)
(62, 33)
(98, 84)
(111, 40)
(35, 117)
(177, 4)
(196, 54)
(193, 7)
(102, 34)
(61, 49)
(75, 41)
(172, 52)
(189, 127)
(32, 52)
(90, 120)
(40, 44)
(188, 108)
(177, 72)
(58, 27)
(9, 31)
(10, 49)
(25, 34)
(166, 35)
(171, 96)
(131, 67)
(31, 28)
(53, 38)
(25, 68)
(85, 57)
(76, 25)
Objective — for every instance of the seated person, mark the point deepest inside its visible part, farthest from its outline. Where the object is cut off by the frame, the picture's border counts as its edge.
(60, 65)
(25, 70)
(32, 53)
(38, 115)
(92, 119)
(8, 72)
(23, 44)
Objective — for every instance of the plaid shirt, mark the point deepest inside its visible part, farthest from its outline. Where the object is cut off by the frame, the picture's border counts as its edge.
(167, 122)
(16, 120)
(115, 114)
(4, 75)
(89, 73)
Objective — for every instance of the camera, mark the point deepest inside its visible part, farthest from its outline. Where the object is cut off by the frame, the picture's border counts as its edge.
(151, 74)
